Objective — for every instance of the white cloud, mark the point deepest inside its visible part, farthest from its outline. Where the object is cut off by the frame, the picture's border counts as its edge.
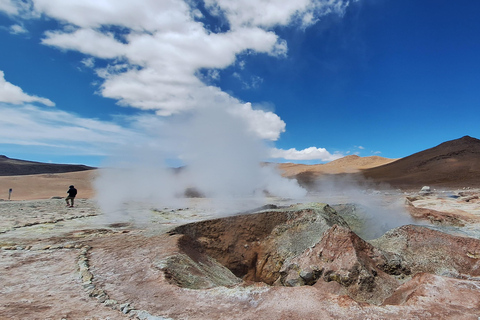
(311, 153)
(9, 7)
(361, 148)
(17, 29)
(212, 75)
(18, 8)
(10, 93)
(88, 62)
(87, 41)
(157, 70)
(141, 15)
(155, 48)
(30, 125)
(253, 83)
(266, 124)
(275, 12)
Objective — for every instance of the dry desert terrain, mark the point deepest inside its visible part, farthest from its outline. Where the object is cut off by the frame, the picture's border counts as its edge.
(368, 253)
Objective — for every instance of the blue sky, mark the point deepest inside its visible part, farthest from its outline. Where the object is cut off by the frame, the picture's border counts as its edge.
(313, 80)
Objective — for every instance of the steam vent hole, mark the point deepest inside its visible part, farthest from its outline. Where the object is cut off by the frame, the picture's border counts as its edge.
(239, 243)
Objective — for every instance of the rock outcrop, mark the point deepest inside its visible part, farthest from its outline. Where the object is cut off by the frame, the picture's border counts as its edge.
(361, 271)
(425, 287)
(431, 251)
(434, 216)
(194, 269)
(312, 245)
(445, 209)
(261, 242)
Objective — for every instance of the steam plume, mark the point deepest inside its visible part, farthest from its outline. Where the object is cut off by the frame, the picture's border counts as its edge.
(376, 211)
(222, 160)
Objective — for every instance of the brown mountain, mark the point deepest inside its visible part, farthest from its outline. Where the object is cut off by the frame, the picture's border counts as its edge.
(347, 164)
(454, 163)
(15, 167)
(307, 175)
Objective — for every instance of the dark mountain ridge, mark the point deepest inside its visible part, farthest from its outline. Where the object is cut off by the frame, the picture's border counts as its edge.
(16, 167)
(454, 163)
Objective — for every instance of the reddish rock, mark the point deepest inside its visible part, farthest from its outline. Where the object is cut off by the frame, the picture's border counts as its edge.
(424, 289)
(427, 250)
(341, 256)
(434, 216)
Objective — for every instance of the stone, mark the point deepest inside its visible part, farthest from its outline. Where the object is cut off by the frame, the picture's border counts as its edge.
(111, 303)
(144, 315)
(363, 271)
(425, 190)
(424, 289)
(125, 308)
(434, 216)
(432, 251)
(200, 272)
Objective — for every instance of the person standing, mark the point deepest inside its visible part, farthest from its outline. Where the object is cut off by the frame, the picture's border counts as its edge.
(72, 192)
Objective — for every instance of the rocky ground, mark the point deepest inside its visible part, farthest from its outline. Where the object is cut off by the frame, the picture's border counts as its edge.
(301, 261)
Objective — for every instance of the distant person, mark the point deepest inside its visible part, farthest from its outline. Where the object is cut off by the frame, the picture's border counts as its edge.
(72, 192)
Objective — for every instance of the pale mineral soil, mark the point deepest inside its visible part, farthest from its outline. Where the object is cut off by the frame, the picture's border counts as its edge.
(43, 245)
(73, 263)
(464, 202)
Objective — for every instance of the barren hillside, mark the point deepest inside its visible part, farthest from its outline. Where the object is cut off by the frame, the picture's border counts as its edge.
(454, 163)
(348, 164)
(15, 167)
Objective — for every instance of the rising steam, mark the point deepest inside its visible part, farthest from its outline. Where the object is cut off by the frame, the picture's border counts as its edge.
(371, 212)
(221, 158)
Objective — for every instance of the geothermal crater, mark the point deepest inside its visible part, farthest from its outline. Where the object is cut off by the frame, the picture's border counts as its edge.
(311, 244)
(254, 246)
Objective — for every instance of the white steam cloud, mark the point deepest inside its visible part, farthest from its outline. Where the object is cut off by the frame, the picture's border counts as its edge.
(222, 158)
(373, 213)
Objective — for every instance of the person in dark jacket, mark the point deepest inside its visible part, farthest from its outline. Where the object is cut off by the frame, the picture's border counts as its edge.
(72, 192)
